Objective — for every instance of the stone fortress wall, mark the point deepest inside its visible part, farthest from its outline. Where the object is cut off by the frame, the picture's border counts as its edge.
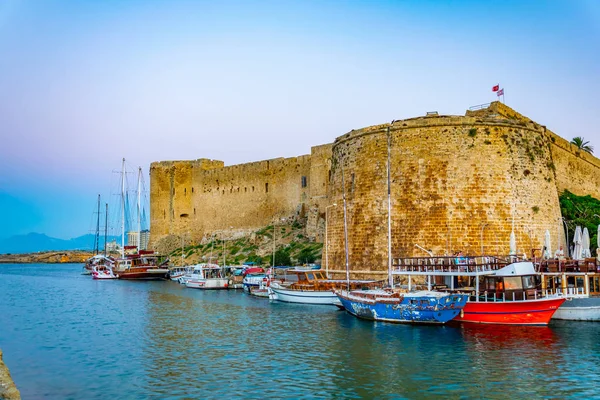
(457, 183)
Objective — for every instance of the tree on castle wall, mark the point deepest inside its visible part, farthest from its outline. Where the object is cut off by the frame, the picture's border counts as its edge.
(582, 144)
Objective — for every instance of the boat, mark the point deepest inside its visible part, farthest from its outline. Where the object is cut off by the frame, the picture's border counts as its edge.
(142, 265)
(103, 272)
(262, 290)
(313, 287)
(578, 281)
(188, 271)
(235, 276)
(502, 290)
(175, 273)
(207, 276)
(253, 278)
(423, 307)
(98, 260)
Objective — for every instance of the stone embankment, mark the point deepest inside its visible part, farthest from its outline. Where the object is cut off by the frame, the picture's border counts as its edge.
(52, 257)
(8, 390)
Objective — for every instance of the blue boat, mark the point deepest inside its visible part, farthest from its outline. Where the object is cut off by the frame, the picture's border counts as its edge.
(424, 307)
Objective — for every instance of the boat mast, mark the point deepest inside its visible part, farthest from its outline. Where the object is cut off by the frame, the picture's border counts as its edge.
(389, 199)
(123, 210)
(345, 231)
(105, 228)
(97, 237)
(139, 210)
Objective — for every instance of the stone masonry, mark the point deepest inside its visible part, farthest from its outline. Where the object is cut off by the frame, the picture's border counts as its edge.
(457, 183)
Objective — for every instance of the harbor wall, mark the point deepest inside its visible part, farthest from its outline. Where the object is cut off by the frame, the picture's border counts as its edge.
(8, 390)
(457, 183)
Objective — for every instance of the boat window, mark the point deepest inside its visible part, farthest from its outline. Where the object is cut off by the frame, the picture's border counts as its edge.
(529, 282)
(513, 283)
(490, 284)
(310, 276)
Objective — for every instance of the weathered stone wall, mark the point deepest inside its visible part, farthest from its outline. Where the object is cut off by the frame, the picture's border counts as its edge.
(454, 181)
(199, 198)
(457, 183)
(8, 390)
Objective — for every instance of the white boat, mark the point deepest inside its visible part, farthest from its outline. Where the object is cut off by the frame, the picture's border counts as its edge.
(103, 272)
(175, 273)
(207, 276)
(313, 287)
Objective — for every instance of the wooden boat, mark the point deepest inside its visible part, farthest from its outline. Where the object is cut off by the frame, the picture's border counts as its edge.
(505, 291)
(578, 281)
(252, 278)
(97, 260)
(175, 273)
(144, 265)
(423, 307)
(207, 276)
(313, 287)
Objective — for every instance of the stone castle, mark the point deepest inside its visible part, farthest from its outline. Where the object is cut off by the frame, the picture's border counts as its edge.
(457, 183)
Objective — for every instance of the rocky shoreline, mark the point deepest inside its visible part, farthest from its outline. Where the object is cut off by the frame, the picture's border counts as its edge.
(8, 390)
(48, 257)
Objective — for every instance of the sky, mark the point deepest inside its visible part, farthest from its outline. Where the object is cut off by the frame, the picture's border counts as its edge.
(84, 84)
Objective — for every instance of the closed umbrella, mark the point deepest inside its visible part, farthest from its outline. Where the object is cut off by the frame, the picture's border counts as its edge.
(547, 249)
(577, 248)
(585, 244)
(513, 244)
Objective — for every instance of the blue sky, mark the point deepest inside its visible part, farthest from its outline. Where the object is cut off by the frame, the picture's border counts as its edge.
(85, 83)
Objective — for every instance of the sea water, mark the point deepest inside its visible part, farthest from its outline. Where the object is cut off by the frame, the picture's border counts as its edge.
(67, 336)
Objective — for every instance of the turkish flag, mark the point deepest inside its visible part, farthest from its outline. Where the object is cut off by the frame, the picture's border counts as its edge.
(495, 88)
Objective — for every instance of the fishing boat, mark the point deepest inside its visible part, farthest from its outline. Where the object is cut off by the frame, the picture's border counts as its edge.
(423, 307)
(501, 290)
(97, 260)
(313, 287)
(207, 276)
(578, 281)
(262, 290)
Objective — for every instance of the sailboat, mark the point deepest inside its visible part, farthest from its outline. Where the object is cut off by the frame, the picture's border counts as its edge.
(98, 262)
(141, 264)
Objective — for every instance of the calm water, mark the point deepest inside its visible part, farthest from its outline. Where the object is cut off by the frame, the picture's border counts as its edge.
(65, 335)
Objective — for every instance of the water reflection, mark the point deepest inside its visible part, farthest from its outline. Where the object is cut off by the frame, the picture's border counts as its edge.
(68, 336)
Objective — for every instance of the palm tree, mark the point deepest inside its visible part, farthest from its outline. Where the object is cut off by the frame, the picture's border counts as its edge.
(582, 144)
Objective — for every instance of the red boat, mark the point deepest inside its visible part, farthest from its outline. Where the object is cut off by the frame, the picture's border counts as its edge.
(500, 293)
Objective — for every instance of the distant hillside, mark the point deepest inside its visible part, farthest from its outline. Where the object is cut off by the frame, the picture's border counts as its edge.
(35, 242)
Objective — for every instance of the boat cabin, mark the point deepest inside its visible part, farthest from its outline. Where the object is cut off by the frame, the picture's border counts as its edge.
(510, 288)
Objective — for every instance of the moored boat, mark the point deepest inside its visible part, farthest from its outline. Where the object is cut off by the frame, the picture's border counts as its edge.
(423, 307)
(144, 265)
(504, 292)
(207, 276)
(578, 282)
(103, 272)
(313, 287)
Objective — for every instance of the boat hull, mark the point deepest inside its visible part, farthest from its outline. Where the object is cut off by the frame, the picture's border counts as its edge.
(406, 309)
(326, 297)
(207, 284)
(579, 309)
(143, 274)
(528, 312)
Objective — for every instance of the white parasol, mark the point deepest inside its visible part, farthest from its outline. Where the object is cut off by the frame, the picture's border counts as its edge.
(585, 244)
(513, 244)
(547, 250)
(577, 248)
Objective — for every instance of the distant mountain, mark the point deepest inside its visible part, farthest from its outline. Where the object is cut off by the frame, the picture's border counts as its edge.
(34, 242)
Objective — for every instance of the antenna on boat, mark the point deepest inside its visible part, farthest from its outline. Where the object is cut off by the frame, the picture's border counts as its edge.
(389, 204)
(345, 230)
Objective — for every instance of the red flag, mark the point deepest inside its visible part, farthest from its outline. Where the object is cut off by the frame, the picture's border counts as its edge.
(500, 92)
(495, 88)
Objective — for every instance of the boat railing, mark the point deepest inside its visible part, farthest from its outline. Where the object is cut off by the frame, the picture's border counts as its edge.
(565, 292)
(587, 265)
(514, 295)
(445, 264)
